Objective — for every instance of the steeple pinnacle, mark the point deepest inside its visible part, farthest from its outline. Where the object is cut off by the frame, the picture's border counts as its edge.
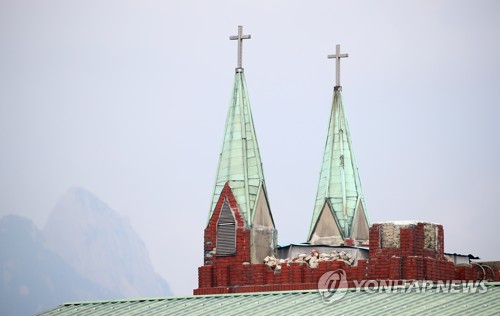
(339, 210)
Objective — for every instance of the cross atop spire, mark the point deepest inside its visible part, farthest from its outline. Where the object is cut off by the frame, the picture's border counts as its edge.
(240, 37)
(337, 57)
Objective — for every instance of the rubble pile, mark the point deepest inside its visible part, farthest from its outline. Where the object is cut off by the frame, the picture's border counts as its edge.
(310, 260)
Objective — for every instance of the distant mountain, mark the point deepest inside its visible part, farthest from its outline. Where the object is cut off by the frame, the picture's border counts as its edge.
(33, 278)
(102, 246)
(85, 252)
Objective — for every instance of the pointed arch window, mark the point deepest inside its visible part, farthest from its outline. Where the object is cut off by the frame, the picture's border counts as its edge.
(226, 232)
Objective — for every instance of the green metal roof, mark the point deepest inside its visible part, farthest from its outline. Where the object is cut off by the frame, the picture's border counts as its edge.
(239, 161)
(339, 182)
(363, 302)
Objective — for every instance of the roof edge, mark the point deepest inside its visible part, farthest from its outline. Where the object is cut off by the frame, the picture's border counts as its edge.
(351, 289)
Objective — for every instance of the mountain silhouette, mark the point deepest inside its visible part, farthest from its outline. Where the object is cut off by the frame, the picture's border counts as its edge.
(34, 278)
(86, 251)
(102, 246)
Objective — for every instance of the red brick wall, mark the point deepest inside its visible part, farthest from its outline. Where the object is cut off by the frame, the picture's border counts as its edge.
(242, 233)
(411, 261)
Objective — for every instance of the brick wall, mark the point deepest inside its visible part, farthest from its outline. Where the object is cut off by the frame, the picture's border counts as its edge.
(242, 235)
(407, 256)
(416, 252)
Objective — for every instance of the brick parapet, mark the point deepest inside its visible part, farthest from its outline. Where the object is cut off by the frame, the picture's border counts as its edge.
(412, 260)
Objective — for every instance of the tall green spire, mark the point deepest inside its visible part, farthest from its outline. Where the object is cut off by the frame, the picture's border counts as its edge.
(339, 210)
(240, 163)
(240, 166)
(240, 169)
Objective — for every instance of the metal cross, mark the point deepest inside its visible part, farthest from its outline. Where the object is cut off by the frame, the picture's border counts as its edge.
(337, 57)
(240, 37)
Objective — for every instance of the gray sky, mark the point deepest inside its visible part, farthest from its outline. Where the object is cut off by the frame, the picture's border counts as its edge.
(128, 99)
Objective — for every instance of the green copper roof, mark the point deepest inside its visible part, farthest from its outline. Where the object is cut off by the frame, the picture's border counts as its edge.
(339, 183)
(239, 161)
(362, 302)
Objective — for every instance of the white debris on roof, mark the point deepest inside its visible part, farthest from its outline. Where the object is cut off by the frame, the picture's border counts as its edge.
(312, 260)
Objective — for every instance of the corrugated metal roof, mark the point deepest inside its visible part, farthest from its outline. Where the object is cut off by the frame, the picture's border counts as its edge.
(298, 303)
(339, 182)
(239, 161)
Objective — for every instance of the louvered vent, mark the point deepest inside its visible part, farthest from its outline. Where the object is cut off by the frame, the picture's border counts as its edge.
(226, 232)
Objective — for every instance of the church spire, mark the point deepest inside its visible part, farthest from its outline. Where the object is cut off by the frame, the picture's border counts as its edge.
(240, 225)
(339, 210)
(240, 164)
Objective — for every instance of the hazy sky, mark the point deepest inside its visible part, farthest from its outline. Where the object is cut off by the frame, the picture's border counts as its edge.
(128, 99)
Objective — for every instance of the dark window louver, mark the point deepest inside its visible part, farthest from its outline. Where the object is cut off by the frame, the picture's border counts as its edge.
(226, 232)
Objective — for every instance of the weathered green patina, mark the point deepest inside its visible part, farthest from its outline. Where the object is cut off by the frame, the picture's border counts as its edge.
(239, 162)
(339, 187)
